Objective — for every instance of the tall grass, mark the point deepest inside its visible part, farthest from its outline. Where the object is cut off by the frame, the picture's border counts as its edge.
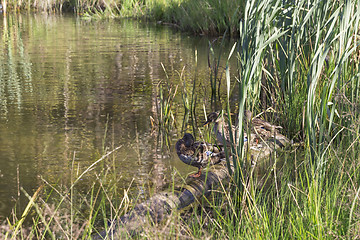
(164, 121)
(216, 16)
(59, 212)
(103, 8)
(303, 57)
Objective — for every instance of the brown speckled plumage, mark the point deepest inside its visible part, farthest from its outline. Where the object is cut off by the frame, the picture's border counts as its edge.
(197, 154)
(221, 128)
(261, 128)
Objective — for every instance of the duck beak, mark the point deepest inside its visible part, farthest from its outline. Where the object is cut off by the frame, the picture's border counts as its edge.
(207, 122)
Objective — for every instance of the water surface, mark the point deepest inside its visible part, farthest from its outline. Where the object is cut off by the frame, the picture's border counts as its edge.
(71, 90)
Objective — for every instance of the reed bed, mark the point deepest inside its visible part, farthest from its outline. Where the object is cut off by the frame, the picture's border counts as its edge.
(303, 59)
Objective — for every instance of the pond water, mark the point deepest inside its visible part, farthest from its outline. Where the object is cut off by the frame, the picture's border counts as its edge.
(71, 90)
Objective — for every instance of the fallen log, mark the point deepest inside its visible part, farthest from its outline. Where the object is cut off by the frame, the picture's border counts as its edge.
(161, 205)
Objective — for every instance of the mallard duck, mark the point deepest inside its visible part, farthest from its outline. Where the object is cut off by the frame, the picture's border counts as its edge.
(221, 128)
(197, 154)
(261, 128)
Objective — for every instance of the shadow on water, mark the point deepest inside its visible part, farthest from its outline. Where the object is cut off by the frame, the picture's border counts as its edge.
(72, 89)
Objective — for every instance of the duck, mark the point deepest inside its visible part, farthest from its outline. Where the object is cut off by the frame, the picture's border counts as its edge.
(198, 154)
(262, 129)
(221, 128)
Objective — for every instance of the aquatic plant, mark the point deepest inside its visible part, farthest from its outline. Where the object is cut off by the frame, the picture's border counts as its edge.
(299, 58)
(164, 121)
(189, 98)
(215, 73)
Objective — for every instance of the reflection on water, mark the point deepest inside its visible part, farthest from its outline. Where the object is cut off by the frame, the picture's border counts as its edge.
(70, 88)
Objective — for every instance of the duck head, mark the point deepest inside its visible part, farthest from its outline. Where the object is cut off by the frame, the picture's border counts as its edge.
(248, 115)
(212, 117)
(188, 139)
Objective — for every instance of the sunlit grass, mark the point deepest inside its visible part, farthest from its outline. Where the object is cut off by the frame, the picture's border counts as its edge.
(315, 47)
(216, 16)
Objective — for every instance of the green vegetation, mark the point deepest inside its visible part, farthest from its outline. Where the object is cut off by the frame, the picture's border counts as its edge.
(208, 17)
(302, 60)
(216, 16)
(165, 120)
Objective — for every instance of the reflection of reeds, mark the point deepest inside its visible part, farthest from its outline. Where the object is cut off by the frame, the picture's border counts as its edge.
(164, 120)
(3, 102)
(12, 55)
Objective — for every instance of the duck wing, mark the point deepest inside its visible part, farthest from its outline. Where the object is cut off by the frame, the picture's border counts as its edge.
(264, 124)
(187, 154)
(209, 153)
(191, 160)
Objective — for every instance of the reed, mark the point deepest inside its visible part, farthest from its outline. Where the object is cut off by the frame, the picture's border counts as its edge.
(189, 97)
(164, 121)
(215, 72)
(58, 211)
(298, 58)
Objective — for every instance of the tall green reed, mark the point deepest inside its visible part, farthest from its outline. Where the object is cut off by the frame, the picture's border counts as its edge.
(164, 121)
(189, 99)
(337, 35)
(256, 34)
(215, 72)
(305, 54)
